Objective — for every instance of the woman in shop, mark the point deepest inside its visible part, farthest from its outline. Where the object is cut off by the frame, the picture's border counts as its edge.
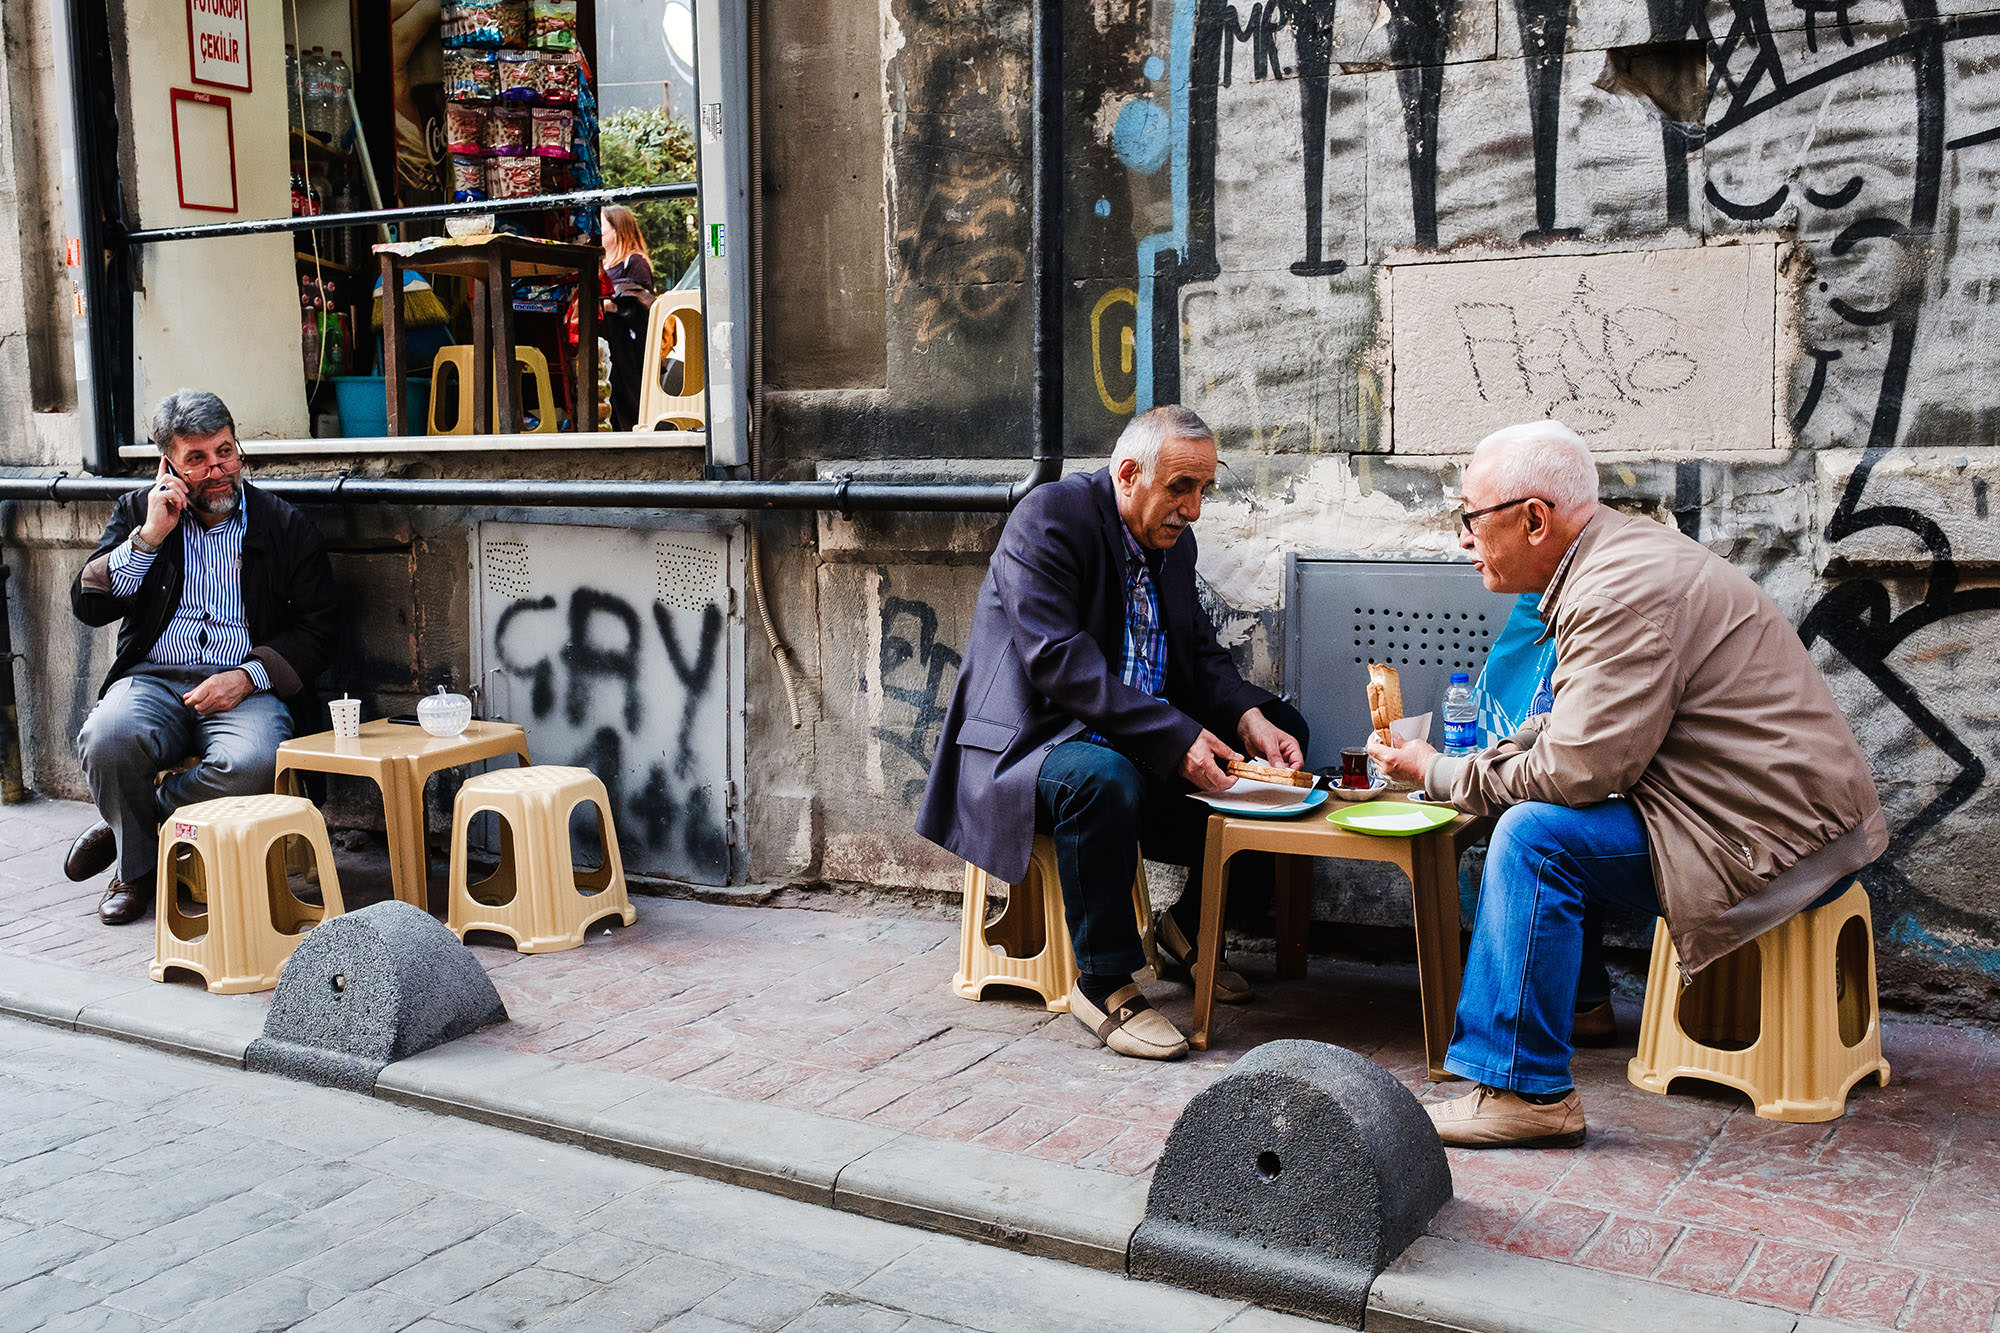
(628, 267)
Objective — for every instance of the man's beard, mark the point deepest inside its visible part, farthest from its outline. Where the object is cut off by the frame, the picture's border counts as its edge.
(219, 506)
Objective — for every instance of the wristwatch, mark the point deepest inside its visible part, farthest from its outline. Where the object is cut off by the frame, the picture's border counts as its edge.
(142, 546)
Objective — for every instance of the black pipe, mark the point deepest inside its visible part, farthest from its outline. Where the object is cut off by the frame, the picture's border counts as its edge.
(839, 494)
(13, 790)
(1045, 248)
(342, 221)
(104, 274)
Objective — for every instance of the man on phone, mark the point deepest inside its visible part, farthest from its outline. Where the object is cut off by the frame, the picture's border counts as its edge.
(225, 604)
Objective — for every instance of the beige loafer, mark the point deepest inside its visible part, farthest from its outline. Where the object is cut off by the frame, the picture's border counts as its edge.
(1495, 1118)
(1595, 1026)
(1177, 963)
(1132, 1026)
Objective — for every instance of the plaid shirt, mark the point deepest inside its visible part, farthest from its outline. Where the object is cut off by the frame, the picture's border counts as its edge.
(1144, 667)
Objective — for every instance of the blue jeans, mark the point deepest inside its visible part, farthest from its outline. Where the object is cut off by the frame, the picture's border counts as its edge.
(1546, 865)
(141, 726)
(1100, 809)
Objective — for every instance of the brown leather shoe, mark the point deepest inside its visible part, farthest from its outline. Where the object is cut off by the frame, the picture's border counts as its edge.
(1177, 963)
(1494, 1118)
(1595, 1026)
(91, 853)
(1132, 1027)
(124, 903)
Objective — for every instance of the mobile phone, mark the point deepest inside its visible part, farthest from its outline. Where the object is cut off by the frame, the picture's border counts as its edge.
(406, 719)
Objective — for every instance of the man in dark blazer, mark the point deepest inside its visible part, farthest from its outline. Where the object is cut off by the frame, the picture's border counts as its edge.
(1093, 697)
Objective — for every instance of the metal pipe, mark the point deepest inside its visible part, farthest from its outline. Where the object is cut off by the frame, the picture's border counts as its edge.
(13, 790)
(1045, 249)
(840, 494)
(375, 216)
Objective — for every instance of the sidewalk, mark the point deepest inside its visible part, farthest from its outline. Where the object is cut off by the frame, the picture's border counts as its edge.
(1887, 1218)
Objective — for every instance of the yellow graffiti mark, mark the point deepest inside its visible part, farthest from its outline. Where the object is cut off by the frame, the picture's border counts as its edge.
(1118, 407)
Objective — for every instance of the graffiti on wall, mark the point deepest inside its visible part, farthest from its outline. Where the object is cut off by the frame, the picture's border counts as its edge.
(629, 686)
(916, 672)
(1849, 139)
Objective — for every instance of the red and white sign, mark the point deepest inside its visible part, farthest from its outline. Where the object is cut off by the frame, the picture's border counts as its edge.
(219, 43)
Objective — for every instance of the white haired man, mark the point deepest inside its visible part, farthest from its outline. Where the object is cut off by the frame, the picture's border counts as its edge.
(226, 609)
(1092, 698)
(1693, 765)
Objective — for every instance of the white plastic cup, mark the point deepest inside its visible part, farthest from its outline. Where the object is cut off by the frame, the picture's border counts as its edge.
(346, 718)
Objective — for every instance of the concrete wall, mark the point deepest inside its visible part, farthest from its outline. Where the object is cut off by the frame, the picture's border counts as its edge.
(1750, 253)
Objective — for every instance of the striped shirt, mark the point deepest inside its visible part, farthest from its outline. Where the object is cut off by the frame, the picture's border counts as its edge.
(1144, 665)
(209, 627)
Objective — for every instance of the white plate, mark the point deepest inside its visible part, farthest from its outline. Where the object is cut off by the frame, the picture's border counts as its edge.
(1267, 800)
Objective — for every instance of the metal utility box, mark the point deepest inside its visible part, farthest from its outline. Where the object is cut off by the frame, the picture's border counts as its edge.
(1426, 618)
(620, 649)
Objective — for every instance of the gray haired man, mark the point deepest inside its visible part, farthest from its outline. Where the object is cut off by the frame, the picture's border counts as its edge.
(225, 604)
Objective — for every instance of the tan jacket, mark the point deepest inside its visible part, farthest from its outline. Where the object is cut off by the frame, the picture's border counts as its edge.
(1682, 687)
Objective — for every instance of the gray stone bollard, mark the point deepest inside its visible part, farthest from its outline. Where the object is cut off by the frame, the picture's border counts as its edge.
(367, 988)
(1292, 1181)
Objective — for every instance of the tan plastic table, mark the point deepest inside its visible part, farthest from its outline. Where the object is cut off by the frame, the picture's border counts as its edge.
(399, 758)
(1429, 859)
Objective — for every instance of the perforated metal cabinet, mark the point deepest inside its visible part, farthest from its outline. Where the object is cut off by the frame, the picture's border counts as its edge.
(1426, 618)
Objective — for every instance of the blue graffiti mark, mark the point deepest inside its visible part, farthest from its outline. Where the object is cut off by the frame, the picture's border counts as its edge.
(1103, 208)
(1914, 937)
(1180, 50)
(1155, 67)
(1141, 137)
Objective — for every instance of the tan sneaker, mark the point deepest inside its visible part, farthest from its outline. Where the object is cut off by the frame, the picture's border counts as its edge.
(1494, 1118)
(1177, 962)
(1595, 1026)
(1132, 1027)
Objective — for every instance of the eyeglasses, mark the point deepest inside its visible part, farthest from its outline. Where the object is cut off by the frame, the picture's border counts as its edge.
(1465, 517)
(226, 456)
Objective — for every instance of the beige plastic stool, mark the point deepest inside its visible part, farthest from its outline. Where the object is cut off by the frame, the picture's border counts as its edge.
(674, 321)
(1029, 945)
(235, 861)
(536, 896)
(1791, 1015)
(534, 369)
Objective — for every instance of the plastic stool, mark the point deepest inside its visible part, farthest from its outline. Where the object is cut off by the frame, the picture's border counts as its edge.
(1791, 1015)
(674, 321)
(1029, 945)
(236, 862)
(536, 895)
(534, 367)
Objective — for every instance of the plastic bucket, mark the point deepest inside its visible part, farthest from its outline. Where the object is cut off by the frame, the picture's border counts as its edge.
(364, 408)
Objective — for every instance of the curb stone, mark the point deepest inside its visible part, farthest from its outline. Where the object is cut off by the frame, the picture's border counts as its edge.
(1043, 1208)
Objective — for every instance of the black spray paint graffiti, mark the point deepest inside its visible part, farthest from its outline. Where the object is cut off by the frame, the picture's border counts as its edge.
(672, 808)
(1748, 78)
(926, 688)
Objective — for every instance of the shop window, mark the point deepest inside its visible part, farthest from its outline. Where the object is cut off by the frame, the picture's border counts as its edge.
(328, 107)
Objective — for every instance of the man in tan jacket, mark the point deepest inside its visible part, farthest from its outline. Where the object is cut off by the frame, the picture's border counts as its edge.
(1694, 764)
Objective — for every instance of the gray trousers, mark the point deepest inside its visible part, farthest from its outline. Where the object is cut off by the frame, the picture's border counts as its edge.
(141, 726)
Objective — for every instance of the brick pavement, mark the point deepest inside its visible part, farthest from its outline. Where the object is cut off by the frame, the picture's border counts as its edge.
(1888, 1218)
(139, 1191)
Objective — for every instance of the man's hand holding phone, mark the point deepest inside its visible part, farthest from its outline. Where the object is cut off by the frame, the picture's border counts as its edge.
(164, 503)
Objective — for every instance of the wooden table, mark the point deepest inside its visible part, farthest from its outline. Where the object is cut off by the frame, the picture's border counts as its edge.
(1429, 859)
(492, 262)
(399, 758)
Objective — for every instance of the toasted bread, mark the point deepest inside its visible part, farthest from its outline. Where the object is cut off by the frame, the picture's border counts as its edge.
(1245, 768)
(1385, 699)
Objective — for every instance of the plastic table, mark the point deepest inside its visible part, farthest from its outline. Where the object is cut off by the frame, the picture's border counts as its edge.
(1429, 859)
(399, 758)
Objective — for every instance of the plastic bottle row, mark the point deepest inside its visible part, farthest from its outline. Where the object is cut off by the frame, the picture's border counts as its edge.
(316, 87)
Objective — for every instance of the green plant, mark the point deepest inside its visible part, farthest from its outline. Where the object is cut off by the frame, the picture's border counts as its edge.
(646, 146)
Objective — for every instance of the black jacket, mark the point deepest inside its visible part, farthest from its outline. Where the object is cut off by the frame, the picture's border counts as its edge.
(288, 593)
(1041, 665)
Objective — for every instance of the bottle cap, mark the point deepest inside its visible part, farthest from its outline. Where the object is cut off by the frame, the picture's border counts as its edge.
(1460, 678)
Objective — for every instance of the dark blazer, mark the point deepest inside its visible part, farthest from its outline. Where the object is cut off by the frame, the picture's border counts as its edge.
(288, 593)
(1048, 634)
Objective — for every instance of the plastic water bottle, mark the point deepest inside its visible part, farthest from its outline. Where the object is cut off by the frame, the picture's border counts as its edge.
(292, 86)
(314, 71)
(339, 78)
(1461, 717)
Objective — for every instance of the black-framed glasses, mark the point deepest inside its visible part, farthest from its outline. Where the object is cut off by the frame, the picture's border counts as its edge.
(1465, 517)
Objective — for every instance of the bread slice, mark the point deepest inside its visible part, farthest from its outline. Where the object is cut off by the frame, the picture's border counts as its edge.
(1385, 699)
